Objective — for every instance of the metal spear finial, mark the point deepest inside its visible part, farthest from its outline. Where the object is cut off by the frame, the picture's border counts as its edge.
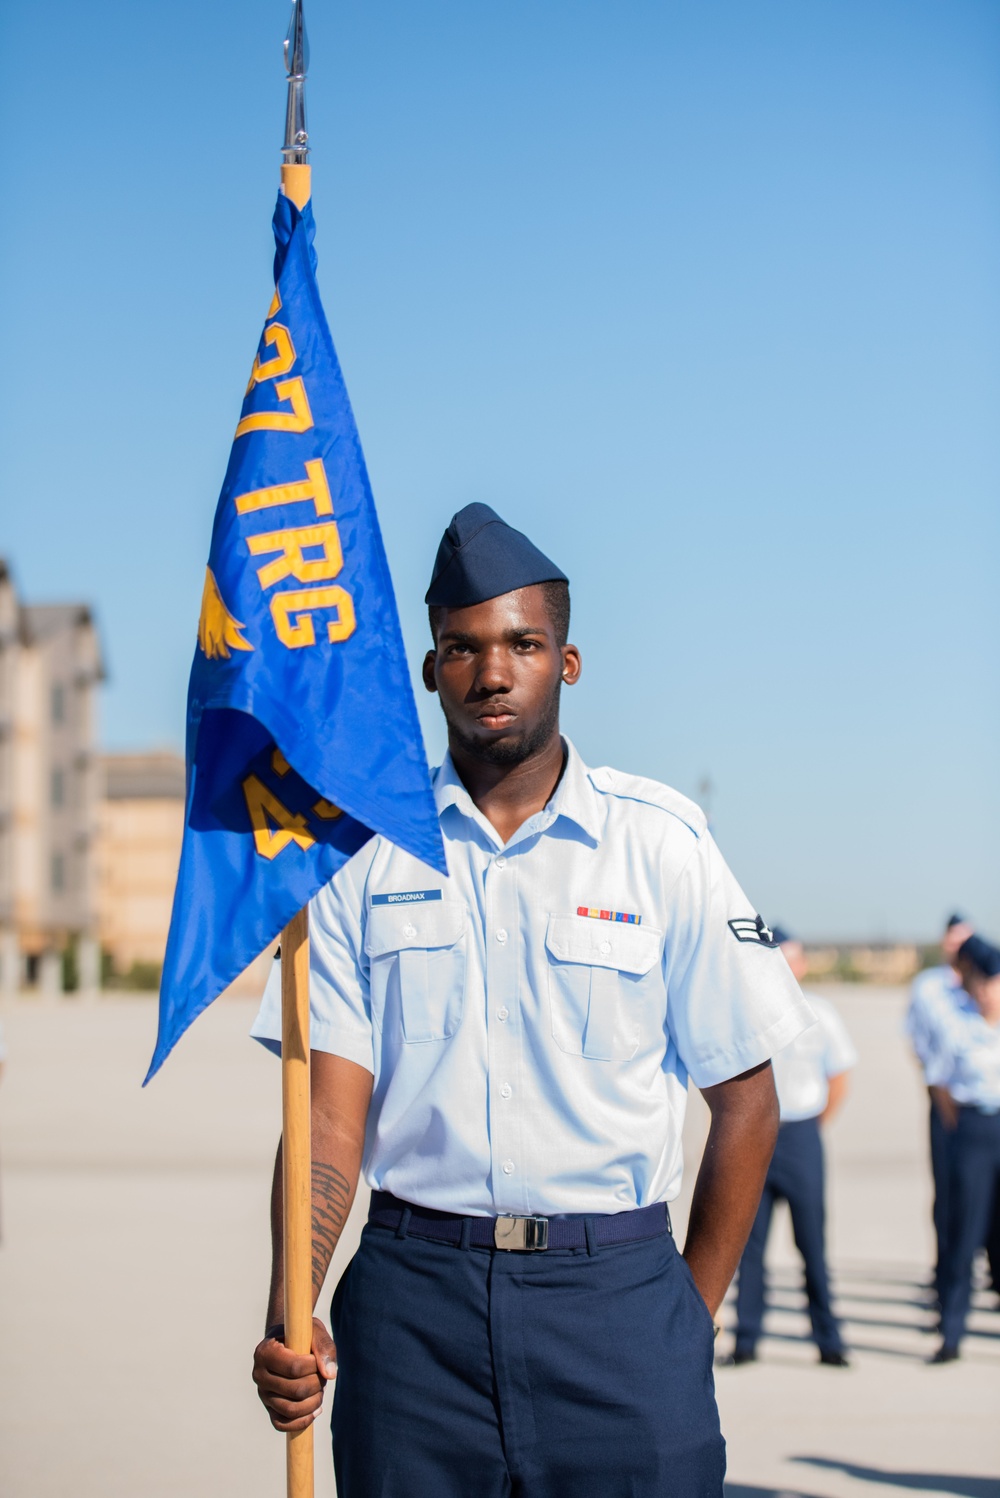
(296, 148)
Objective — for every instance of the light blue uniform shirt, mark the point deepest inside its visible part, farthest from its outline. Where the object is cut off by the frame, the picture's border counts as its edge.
(935, 996)
(967, 1059)
(802, 1071)
(528, 1058)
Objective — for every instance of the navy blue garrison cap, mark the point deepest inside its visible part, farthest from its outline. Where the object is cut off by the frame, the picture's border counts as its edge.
(982, 955)
(779, 935)
(955, 920)
(481, 556)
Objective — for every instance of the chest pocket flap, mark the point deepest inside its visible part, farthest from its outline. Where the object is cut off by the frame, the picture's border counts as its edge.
(602, 989)
(395, 928)
(628, 949)
(418, 969)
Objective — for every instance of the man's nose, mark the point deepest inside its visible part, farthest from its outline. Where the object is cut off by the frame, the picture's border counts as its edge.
(494, 672)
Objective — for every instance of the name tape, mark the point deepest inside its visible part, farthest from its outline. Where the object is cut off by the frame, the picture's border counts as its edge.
(407, 897)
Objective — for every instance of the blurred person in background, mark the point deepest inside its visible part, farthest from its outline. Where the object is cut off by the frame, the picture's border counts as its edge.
(964, 1078)
(810, 1077)
(935, 997)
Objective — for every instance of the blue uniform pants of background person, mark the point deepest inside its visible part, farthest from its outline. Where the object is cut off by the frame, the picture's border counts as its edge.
(476, 1373)
(796, 1174)
(942, 1142)
(993, 1244)
(975, 1180)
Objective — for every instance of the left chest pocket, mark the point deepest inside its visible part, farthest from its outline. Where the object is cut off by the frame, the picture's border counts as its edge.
(603, 992)
(417, 969)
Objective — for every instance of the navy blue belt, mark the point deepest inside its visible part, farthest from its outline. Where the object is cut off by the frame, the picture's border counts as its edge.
(516, 1233)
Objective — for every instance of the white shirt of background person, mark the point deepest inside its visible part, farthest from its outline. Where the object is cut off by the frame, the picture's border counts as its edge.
(810, 1075)
(935, 996)
(967, 1064)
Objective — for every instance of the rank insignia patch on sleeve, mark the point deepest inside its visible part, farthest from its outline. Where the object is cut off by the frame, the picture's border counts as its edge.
(753, 928)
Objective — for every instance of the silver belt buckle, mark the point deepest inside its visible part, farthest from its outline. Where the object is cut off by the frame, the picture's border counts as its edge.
(521, 1234)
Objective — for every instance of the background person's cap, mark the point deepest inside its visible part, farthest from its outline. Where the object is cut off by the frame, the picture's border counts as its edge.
(780, 935)
(982, 955)
(481, 556)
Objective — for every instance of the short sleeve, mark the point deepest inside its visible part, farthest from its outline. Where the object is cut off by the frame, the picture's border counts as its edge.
(942, 1057)
(732, 1002)
(939, 1068)
(919, 1023)
(339, 1005)
(839, 1054)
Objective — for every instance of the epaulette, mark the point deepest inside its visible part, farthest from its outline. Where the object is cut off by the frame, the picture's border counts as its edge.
(651, 793)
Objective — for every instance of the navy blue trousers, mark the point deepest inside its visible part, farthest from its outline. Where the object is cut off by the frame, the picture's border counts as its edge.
(475, 1373)
(796, 1175)
(975, 1181)
(942, 1140)
(993, 1244)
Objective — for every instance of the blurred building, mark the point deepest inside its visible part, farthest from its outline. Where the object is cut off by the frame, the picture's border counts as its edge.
(886, 963)
(50, 669)
(141, 823)
(89, 843)
(140, 829)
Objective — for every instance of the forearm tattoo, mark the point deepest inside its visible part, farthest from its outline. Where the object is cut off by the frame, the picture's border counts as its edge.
(331, 1200)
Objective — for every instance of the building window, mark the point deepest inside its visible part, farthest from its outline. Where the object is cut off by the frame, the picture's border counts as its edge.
(58, 872)
(58, 788)
(58, 703)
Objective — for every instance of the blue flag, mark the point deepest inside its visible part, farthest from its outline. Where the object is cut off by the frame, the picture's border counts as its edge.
(302, 731)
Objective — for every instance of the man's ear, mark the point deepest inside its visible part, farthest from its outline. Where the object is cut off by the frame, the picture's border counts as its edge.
(427, 670)
(572, 665)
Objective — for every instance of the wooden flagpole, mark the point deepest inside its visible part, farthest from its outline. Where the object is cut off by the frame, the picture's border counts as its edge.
(296, 1174)
(296, 1124)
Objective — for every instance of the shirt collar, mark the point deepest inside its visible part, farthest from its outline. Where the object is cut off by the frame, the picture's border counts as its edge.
(574, 799)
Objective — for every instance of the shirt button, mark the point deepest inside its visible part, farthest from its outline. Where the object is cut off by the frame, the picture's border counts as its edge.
(508, 1167)
(503, 1015)
(605, 948)
(506, 1090)
(500, 862)
(501, 936)
(409, 930)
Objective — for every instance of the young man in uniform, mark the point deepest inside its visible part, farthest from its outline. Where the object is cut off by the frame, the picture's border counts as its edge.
(505, 1054)
(935, 997)
(810, 1076)
(964, 1078)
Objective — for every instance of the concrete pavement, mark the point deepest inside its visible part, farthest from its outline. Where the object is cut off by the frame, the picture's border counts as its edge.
(134, 1263)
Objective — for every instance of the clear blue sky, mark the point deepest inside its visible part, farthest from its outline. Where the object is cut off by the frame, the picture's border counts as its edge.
(704, 295)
